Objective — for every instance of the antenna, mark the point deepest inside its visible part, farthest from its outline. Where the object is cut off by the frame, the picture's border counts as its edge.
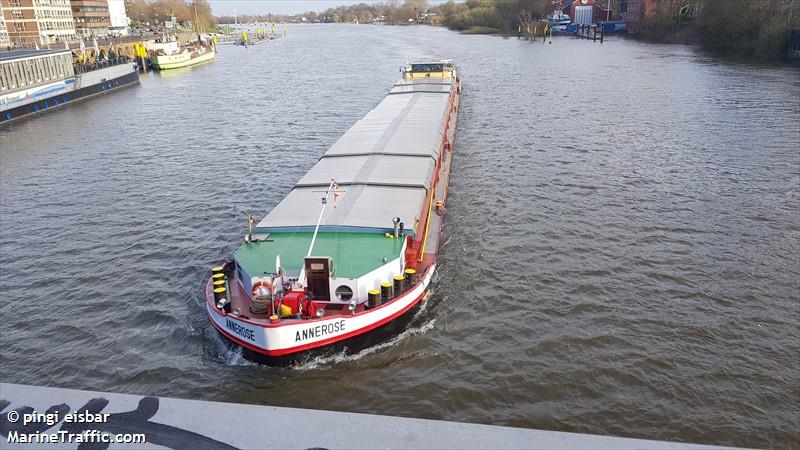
(331, 188)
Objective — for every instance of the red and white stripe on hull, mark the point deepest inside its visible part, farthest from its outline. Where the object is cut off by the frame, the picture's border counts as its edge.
(288, 337)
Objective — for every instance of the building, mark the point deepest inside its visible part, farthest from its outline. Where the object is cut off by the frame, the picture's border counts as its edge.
(632, 12)
(587, 12)
(636, 12)
(4, 40)
(119, 18)
(91, 17)
(37, 22)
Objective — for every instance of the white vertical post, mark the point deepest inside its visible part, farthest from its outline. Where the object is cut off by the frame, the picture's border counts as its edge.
(301, 279)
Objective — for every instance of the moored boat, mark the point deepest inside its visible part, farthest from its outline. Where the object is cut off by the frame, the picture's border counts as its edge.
(559, 21)
(34, 81)
(171, 55)
(168, 54)
(344, 260)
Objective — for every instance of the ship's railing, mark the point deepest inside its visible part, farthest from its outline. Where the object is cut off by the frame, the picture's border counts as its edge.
(88, 67)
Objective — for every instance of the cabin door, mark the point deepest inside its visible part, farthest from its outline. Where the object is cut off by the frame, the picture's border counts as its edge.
(318, 273)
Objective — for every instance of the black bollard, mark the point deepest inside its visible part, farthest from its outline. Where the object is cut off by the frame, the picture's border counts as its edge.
(398, 285)
(386, 292)
(373, 298)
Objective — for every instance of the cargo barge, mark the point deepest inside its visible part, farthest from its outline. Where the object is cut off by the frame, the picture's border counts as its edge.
(344, 260)
(34, 81)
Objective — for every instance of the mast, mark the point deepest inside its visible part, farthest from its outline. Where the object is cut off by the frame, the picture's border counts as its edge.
(196, 22)
(319, 220)
(302, 278)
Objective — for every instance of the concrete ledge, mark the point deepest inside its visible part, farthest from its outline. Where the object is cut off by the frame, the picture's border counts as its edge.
(191, 424)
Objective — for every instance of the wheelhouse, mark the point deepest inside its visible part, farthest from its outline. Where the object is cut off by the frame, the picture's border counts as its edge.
(429, 69)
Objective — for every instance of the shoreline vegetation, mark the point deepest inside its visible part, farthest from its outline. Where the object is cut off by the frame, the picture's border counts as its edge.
(153, 13)
(752, 29)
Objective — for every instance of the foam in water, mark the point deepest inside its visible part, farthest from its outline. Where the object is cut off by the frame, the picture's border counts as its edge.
(322, 362)
(223, 351)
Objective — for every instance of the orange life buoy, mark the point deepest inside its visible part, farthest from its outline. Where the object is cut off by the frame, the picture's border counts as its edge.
(264, 283)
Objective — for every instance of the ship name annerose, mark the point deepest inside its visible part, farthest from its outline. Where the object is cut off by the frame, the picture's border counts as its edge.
(319, 331)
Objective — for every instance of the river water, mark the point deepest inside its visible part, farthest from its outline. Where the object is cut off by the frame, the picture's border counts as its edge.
(622, 249)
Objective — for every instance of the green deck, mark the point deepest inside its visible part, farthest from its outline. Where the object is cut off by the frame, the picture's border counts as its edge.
(353, 254)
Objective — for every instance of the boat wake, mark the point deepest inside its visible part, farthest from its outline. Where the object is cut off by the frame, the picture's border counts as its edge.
(217, 349)
(328, 361)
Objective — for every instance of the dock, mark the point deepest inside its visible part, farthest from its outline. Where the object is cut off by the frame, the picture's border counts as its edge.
(594, 33)
(193, 424)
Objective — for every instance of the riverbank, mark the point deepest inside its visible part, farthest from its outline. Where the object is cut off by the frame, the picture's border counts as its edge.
(756, 29)
(752, 29)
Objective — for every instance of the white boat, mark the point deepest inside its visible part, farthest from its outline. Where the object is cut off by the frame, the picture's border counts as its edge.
(171, 55)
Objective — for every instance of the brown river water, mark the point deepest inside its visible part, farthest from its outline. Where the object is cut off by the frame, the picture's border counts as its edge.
(621, 252)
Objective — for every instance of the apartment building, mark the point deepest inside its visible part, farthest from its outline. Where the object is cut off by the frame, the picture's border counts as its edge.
(37, 22)
(4, 40)
(91, 17)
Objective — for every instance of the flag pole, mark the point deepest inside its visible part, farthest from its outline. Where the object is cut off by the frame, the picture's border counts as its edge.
(302, 278)
(319, 220)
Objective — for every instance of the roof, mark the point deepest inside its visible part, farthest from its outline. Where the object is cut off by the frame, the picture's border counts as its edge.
(359, 208)
(28, 53)
(431, 61)
(376, 170)
(353, 254)
(400, 124)
(432, 85)
(385, 164)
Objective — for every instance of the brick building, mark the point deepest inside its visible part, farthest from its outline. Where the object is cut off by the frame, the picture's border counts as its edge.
(636, 12)
(37, 22)
(4, 40)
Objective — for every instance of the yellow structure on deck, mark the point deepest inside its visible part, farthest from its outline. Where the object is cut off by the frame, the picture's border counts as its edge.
(439, 69)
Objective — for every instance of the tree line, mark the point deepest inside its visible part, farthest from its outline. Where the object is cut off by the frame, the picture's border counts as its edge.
(493, 16)
(750, 28)
(156, 12)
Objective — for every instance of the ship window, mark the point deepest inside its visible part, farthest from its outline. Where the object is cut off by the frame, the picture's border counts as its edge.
(29, 78)
(19, 71)
(426, 67)
(39, 71)
(344, 293)
(3, 82)
(12, 75)
(21, 74)
(317, 266)
(12, 68)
